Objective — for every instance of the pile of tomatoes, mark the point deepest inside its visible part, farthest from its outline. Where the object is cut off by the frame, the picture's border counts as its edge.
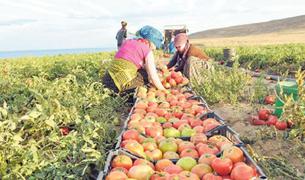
(165, 138)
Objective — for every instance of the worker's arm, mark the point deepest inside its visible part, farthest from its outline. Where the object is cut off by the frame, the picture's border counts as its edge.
(173, 61)
(181, 65)
(152, 71)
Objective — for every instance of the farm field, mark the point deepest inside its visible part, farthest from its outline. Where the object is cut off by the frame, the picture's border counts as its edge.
(58, 121)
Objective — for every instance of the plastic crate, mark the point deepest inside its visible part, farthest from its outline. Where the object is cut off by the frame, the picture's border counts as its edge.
(200, 99)
(228, 132)
(102, 175)
(252, 163)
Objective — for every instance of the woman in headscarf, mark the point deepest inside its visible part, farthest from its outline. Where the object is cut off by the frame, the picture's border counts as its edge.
(181, 59)
(134, 62)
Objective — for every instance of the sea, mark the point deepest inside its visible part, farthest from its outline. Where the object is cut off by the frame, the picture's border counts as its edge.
(50, 52)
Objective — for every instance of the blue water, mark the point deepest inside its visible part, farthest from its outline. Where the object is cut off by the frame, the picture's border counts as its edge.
(49, 52)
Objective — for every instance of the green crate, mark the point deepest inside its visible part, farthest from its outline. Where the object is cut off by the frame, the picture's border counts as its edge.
(288, 88)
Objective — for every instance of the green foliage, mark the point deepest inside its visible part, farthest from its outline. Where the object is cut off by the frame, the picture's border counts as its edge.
(39, 96)
(220, 84)
(271, 58)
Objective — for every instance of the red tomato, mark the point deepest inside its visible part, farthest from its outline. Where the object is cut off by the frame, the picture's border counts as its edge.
(234, 153)
(124, 170)
(222, 166)
(189, 152)
(143, 161)
(281, 125)
(122, 161)
(242, 172)
(162, 164)
(207, 149)
(270, 99)
(159, 176)
(263, 114)
(211, 176)
(271, 120)
(131, 134)
(207, 158)
(173, 169)
(185, 145)
(256, 121)
(116, 175)
(64, 130)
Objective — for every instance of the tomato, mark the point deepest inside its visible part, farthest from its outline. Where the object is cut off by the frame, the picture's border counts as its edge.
(199, 138)
(170, 155)
(116, 175)
(222, 166)
(124, 170)
(172, 82)
(178, 123)
(178, 80)
(270, 99)
(195, 122)
(159, 176)
(189, 152)
(64, 131)
(207, 158)
(256, 121)
(271, 120)
(135, 148)
(185, 145)
(234, 153)
(149, 146)
(164, 105)
(141, 105)
(207, 148)
(136, 116)
(173, 169)
(263, 114)
(242, 172)
(162, 164)
(210, 126)
(140, 172)
(154, 155)
(281, 125)
(154, 131)
(168, 145)
(211, 176)
(219, 140)
(143, 161)
(186, 163)
(131, 134)
(199, 129)
(122, 161)
(201, 169)
(151, 109)
(160, 112)
(187, 175)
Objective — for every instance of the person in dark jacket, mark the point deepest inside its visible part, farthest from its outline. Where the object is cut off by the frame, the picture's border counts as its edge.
(185, 50)
(121, 34)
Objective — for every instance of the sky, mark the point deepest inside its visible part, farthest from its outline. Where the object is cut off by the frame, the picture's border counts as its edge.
(65, 24)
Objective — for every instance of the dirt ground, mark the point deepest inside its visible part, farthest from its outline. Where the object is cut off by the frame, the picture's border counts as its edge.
(265, 141)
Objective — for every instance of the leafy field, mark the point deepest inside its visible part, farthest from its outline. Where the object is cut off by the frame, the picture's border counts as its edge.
(274, 59)
(56, 119)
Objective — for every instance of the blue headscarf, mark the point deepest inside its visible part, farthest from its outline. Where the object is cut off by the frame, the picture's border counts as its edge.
(152, 34)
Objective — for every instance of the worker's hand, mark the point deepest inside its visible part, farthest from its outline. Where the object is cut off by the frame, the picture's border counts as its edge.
(172, 69)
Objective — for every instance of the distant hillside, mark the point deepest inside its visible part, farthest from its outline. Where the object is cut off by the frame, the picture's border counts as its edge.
(274, 26)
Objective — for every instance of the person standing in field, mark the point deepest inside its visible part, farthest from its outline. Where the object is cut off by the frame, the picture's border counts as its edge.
(186, 54)
(121, 34)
